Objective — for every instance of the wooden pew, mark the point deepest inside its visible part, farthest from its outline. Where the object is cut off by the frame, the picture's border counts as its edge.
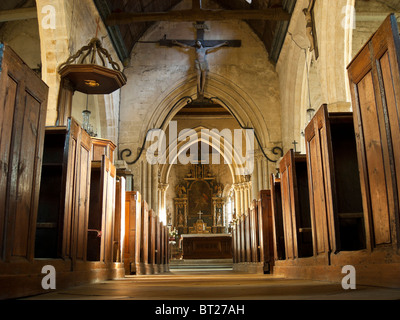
(375, 89)
(296, 206)
(265, 230)
(132, 220)
(63, 202)
(336, 205)
(277, 218)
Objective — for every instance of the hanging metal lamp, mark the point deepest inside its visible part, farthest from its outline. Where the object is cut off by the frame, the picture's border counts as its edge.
(87, 76)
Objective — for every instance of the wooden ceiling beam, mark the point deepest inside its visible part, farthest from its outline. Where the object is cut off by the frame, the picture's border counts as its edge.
(196, 4)
(273, 14)
(18, 14)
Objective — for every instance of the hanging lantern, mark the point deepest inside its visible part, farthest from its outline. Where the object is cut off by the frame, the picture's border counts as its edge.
(86, 120)
(89, 77)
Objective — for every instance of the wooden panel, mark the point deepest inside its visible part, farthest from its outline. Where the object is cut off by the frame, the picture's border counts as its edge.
(146, 232)
(375, 87)
(318, 205)
(23, 103)
(295, 206)
(242, 239)
(82, 189)
(265, 229)
(67, 192)
(158, 240)
(110, 209)
(132, 210)
(101, 211)
(277, 218)
(341, 205)
(152, 237)
(102, 147)
(255, 241)
(247, 228)
(287, 209)
(119, 226)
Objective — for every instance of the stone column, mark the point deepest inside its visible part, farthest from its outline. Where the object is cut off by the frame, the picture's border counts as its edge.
(254, 178)
(154, 189)
(246, 197)
(260, 177)
(237, 200)
(162, 194)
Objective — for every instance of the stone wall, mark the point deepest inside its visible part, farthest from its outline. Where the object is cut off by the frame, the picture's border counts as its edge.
(159, 76)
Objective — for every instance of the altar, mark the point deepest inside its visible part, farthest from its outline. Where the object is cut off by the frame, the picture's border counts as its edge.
(206, 246)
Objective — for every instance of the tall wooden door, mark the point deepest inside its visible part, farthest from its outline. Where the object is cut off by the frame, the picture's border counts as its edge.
(374, 76)
(23, 103)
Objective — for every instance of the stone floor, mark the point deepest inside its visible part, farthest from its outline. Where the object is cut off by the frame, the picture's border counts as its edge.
(216, 285)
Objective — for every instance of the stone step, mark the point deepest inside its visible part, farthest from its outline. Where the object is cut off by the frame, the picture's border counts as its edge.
(201, 264)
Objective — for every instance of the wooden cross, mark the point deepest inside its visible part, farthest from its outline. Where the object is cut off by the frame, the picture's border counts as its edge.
(202, 47)
(295, 143)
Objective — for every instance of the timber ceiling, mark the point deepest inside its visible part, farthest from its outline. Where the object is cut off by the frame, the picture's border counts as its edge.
(124, 36)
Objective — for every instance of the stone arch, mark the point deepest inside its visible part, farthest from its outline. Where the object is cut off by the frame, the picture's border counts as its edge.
(206, 138)
(242, 107)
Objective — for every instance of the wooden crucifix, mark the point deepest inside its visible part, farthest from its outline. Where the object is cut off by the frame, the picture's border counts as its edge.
(202, 48)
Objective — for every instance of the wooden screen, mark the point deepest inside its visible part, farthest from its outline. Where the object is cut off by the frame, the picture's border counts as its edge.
(336, 203)
(375, 88)
(295, 206)
(277, 218)
(23, 103)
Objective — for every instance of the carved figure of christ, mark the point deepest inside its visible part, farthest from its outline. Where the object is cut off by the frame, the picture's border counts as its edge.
(201, 63)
